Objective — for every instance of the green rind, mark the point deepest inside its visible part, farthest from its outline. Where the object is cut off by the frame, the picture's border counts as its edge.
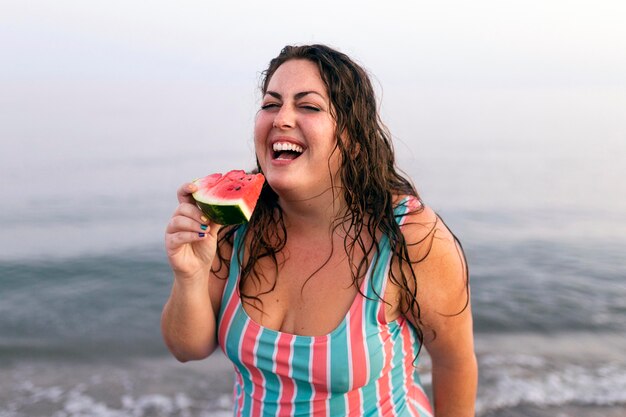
(225, 215)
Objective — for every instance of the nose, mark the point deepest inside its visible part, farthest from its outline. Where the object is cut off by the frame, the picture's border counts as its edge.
(285, 118)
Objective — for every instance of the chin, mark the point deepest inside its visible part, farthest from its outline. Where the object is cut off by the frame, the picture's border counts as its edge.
(279, 184)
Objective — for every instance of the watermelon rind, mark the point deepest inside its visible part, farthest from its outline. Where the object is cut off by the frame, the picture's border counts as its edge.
(223, 214)
(228, 199)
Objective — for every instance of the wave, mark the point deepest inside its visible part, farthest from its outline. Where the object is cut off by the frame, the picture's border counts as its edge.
(162, 387)
(509, 381)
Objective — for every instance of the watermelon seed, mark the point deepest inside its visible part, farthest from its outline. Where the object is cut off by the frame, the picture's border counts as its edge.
(237, 188)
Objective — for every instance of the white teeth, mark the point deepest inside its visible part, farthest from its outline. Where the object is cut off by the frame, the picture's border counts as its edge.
(286, 146)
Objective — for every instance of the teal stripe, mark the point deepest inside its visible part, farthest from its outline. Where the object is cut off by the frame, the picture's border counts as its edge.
(302, 377)
(398, 394)
(265, 363)
(377, 278)
(339, 370)
(337, 405)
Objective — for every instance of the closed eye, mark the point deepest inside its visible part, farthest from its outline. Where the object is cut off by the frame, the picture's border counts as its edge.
(269, 106)
(310, 108)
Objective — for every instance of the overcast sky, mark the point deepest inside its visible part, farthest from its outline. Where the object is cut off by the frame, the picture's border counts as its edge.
(87, 74)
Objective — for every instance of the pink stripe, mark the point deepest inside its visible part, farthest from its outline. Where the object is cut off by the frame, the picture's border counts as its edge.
(359, 360)
(284, 372)
(357, 348)
(248, 359)
(319, 375)
(354, 403)
(422, 399)
(407, 365)
(351, 400)
(383, 384)
(413, 388)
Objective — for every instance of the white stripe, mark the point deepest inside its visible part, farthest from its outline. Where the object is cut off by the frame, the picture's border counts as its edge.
(420, 408)
(311, 352)
(328, 366)
(405, 376)
(393, 354)
(295, 386)
(349, 346)
(384, 360)
(280, 382)
(384, 288)
(328, 376)
(366, 350)
(313, 389)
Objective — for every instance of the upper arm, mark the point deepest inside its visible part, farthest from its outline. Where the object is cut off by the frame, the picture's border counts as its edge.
(438, 274)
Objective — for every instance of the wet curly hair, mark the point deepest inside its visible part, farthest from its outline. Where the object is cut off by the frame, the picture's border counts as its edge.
(370, 183)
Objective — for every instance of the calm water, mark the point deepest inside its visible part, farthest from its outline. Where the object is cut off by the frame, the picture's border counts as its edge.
(83, 278)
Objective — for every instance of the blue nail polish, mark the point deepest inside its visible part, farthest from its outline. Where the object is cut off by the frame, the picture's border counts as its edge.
(203, 226)
(201, 234)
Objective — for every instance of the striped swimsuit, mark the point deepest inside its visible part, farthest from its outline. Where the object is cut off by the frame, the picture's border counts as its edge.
(364, 367)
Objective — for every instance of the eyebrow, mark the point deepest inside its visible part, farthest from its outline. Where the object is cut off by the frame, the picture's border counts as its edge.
(296, 96)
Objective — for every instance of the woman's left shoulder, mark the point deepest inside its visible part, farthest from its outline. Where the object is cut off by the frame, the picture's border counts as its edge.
(419, 222)
(436, 257)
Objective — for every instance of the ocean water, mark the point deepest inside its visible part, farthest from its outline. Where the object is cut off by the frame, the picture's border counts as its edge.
(83, 278)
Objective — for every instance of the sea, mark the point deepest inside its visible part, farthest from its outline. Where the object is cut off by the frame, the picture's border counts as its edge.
(83, 276)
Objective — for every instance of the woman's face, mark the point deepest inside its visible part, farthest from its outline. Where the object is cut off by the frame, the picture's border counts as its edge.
(294, 133)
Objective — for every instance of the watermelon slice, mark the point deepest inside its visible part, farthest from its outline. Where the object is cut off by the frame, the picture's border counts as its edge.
(229, 198)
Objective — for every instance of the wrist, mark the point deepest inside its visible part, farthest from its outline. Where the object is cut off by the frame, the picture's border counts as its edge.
(194, 280)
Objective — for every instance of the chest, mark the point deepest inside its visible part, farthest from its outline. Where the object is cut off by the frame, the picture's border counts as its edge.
(308, 292)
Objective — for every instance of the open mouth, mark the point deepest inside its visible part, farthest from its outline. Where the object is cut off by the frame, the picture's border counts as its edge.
(286, 150)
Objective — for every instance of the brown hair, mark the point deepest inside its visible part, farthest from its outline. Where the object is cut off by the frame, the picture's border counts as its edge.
(369, 179)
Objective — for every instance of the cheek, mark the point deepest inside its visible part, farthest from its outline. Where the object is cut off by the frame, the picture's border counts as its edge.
(262, 126)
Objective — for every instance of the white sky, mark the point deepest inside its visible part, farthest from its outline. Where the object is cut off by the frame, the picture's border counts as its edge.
(497, 41)
(495, 73)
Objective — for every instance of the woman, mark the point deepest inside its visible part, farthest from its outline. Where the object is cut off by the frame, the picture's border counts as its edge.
(324, 299)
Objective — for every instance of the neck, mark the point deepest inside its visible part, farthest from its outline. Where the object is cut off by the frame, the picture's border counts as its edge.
(316, 214)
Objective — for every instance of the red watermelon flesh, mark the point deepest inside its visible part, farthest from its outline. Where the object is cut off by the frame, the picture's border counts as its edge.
(229, 198)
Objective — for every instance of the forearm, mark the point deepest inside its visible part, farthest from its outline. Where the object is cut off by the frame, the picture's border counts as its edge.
(188, 321)
(454, 387)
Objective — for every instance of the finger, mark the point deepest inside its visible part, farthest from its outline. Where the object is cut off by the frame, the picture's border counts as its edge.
(186, 224)
(176, 240)
(185, 191)
(192, 211)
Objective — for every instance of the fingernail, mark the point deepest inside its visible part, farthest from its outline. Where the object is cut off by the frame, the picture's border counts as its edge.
(201, 234)
(203, 226)
(204, 219)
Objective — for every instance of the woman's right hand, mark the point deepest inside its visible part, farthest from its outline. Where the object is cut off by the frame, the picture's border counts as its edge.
(190, 237)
